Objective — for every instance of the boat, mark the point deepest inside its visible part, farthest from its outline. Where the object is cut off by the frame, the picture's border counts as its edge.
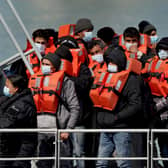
(4, 65)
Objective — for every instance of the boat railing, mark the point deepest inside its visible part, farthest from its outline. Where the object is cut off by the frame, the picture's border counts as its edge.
(149, 158)
(20, 53)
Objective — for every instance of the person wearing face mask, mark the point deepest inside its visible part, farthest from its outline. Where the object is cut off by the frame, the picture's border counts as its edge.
(40, 39)
(151, 31)
(157, 79)
(53, 87)
(84, 32)
(117, 84)
(17, 110)
(96, 60)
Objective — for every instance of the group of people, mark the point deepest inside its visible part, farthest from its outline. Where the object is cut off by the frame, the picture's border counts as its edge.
(110, 81)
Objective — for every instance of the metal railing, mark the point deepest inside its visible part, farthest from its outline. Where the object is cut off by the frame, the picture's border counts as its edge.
(149, 158)
(20, 54)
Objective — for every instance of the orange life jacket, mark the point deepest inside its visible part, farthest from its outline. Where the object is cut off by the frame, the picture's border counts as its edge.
(107, 88)
(134, 65)
(66, 30)
(158, 80)
(66, 66)
(34, 62)
(143, 43)
(96, 67)
(79, 57)
(51, 48)
(46, 89)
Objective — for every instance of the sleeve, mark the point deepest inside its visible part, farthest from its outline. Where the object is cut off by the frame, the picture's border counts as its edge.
(8, 118)
(132, 93)
(72, 102)
(83, 81)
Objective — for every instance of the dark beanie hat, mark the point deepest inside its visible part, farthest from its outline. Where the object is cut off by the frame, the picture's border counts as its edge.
(68, 41)
(54, 59)
(106, 34)
(162, 44)
(149, 28)
(83, 24)
(142, 25)
(117, 57)
(64, 53)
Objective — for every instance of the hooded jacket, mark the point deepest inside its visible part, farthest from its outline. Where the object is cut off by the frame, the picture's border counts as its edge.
(127, 113)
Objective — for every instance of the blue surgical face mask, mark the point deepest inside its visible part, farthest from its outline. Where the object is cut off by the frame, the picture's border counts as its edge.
(154, 39)
(112, 68)
(88, 36)
(46, 69)
(98, 58)
(6, 91)
(163, 54)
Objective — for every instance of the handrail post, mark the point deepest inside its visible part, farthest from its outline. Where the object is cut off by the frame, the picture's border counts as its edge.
(148, 149)
(58, 149)
(151, 148)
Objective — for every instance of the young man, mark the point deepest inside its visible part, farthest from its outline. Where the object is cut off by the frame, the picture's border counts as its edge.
(52, 87)
(96, 51)
(124, 114)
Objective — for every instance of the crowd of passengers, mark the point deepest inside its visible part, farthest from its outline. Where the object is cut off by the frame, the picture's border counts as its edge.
(110, 81)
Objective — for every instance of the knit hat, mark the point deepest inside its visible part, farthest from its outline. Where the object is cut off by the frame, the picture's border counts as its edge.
(162, 44)
(68, 41)
(106, 34)
(142, 25)
(117, 57)
(149, 28)
(64, 53)
(83, 24)
(54, 59)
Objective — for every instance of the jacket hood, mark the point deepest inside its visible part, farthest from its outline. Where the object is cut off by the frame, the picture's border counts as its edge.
(117, 57)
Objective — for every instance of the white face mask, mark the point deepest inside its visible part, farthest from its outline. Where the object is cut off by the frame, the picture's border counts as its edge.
(46, 69)
(128, 45)
(88, 36)
(112, 68)
(41, 47)
(163, 54)
(98, 58)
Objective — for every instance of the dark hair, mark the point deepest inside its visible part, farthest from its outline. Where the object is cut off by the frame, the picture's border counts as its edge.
(68, 41)
(106, 34)
(18, 81)
(131, 32)
(142, 25)
(51, 33)
(40, 33)
(93, 43)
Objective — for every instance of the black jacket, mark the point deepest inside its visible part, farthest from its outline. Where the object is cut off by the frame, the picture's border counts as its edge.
(127, 113)
(18, 111)
(82, 85)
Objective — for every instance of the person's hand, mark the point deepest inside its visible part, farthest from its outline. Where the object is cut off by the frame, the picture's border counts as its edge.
(133, 49)
(64, 135)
